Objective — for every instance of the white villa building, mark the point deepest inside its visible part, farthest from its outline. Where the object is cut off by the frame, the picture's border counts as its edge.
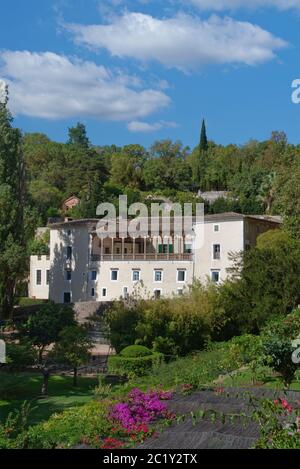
(83, 268)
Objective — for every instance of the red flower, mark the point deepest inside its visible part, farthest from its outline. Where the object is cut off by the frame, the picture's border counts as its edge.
(112, 443)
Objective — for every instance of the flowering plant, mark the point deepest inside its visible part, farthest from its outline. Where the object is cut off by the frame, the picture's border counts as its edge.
(140, 409)
(279, 425)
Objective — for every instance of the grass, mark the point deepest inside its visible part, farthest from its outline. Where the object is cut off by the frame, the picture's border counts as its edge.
(17, 388)
(266, 379)
(200, 369)
(25, 301)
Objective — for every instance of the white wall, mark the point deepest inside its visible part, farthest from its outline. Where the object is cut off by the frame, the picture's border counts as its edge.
(231, 239)
(231, 236)
(115, 289)
(40, 292)
(79, 241)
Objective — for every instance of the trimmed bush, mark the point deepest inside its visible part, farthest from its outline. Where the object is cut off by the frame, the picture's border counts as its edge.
(135, 351)
(134, 366)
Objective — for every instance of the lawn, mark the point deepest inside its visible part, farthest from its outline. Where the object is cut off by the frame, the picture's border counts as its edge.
(17, 388)
(266, 378)
(25, 301)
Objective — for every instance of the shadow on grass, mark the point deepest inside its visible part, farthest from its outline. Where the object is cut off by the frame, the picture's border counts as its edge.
(27, 387)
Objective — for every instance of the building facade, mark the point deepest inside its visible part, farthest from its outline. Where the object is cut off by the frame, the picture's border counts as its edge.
(83, 268)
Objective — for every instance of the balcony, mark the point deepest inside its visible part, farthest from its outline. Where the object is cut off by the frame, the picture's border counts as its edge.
(142, 257)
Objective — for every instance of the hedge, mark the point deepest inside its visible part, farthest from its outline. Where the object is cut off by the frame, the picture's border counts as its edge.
(135, 351)
(134, 366)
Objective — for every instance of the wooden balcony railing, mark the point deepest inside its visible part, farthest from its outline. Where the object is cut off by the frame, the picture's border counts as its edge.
(142, 257)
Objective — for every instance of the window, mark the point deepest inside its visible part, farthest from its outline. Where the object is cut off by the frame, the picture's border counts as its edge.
(39, 258)
(158, 275)
(188, 248)
(47, 277)
(93, 292)
(216, 228)
(216, 251)
(68, 275)
(157, 294)
(67, 297)
(136, 275)
(125, 293)
(94, 275)
(114, 274)
(104, 292)
(39, 277)
(165, 248)
(69, 252)
(179, 291)
(106, 250)
(181, 275)
(215, 276)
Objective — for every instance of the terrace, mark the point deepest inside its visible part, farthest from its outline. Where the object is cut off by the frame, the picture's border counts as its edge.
(146, 248)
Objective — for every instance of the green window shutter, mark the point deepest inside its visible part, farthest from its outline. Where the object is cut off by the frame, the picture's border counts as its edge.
(160, 248)
(171, 248)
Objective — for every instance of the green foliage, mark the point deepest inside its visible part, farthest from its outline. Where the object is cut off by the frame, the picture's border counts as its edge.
(134, 366)
(265, 283)
(278, 345)
(40, 246)
(135, 351)
(12, 201)
(72, 347)
(20, 355)
(78, 136)
(69, 428)
(203, 146)
(13, 433)
(172, 326)
(278, 423)
(44, 327)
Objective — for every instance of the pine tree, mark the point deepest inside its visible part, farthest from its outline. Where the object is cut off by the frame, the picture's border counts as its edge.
(78, 136)
(12, 195)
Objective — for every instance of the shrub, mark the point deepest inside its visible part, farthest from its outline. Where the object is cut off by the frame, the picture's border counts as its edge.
(135, 351)
(89, 422)
(140, 409)
(278, 347)
(134, 366)
(173, 326)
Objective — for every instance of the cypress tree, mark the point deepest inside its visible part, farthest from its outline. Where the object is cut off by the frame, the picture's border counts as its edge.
(203, 139)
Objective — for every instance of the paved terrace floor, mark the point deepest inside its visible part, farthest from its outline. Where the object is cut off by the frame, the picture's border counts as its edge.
(206, 434)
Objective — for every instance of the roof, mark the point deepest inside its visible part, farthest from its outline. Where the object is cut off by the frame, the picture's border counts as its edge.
(218, 217)
(70, 223)
(70, 198)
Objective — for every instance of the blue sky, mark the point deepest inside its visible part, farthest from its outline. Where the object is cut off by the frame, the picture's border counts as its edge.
(135, 71)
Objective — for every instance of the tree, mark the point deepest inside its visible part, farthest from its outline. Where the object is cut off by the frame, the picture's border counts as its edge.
(265, 281)
(12, 201)
(127, 166)
(20, 355)
(78, 136)
(43, 328)
(203, 146)
(72, 348)
(277, 339)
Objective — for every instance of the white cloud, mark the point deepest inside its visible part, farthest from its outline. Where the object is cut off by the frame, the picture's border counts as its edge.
(53, 86)
(143, 127)
(219, 5)
(183, 42)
